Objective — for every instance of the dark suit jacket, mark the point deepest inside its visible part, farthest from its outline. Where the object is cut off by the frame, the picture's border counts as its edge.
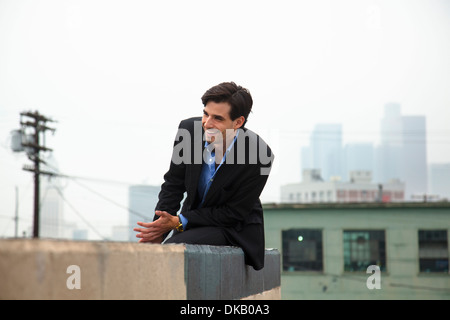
(232, 201)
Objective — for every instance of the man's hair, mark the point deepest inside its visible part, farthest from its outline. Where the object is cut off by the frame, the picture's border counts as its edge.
(238, 97)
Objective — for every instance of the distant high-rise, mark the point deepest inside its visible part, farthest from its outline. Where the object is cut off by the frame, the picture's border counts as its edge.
(389, 152)
(142, 200)
(51, 210)
(400, 156)
(358, 157)
(324, 151)
(414, 155)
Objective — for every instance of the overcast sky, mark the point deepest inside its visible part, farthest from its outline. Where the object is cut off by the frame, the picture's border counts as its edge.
(118, 76)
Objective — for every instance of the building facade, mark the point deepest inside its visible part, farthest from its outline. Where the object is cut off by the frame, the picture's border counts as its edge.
(361, 251)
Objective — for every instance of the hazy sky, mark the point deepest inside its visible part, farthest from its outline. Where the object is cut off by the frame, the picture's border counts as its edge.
(118, 76)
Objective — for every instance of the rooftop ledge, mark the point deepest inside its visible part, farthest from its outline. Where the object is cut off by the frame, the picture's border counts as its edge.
(60, 269)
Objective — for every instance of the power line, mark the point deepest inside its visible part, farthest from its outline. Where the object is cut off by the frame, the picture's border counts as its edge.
(79, 214)
(75, 179)
(110, 200)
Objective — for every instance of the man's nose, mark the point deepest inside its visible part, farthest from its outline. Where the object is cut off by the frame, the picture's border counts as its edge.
(208, 123)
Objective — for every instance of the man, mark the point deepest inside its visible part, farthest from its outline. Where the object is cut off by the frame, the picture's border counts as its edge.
(222, 167)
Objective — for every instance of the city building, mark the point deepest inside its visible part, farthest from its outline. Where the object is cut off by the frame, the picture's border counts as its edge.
(402, 153)
(51, 219)
(388, 153)
(324, 150)
(142, 200)
(79, 234)
(359, 188)
(414, 156)
(120, 233)
(358, 156)
(361, 251)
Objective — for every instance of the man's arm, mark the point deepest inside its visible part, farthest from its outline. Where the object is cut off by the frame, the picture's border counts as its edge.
(170, 197)
(173, 188)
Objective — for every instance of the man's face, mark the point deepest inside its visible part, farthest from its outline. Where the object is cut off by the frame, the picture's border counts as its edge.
(216, 120)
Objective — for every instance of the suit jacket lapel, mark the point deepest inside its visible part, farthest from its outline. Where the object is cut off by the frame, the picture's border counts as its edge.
(220, 180)
(196, 164)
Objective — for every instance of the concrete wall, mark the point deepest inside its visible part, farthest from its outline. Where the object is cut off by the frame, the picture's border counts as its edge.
(220, 273)
(41, 269)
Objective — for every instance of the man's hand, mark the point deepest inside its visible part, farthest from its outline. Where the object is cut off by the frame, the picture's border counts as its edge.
(154, 231)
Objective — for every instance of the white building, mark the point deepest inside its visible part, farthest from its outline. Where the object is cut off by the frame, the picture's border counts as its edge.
(359, 188)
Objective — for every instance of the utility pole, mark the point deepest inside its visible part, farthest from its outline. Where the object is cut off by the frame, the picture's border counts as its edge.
(33, 148)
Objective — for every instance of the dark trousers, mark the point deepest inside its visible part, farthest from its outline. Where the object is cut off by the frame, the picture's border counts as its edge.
(213, 236)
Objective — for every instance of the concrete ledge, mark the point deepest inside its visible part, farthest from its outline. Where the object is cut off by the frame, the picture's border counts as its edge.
(220, 273)
(38, 269)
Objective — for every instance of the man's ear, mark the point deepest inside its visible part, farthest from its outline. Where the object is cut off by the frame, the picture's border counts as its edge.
(239, 122)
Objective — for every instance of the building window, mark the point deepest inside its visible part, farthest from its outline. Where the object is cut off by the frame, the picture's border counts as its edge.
(433, 251)
(302, 250)
(364, 196)
(321, 196)
(363, 248)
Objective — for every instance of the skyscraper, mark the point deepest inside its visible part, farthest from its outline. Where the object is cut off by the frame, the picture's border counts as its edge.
(324, 151)
(389, 152)
(414, 155)
(358, 157)
(402, 150)
(51, 210)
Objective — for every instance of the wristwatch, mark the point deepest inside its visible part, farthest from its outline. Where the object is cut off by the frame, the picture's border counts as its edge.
(180, 225)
